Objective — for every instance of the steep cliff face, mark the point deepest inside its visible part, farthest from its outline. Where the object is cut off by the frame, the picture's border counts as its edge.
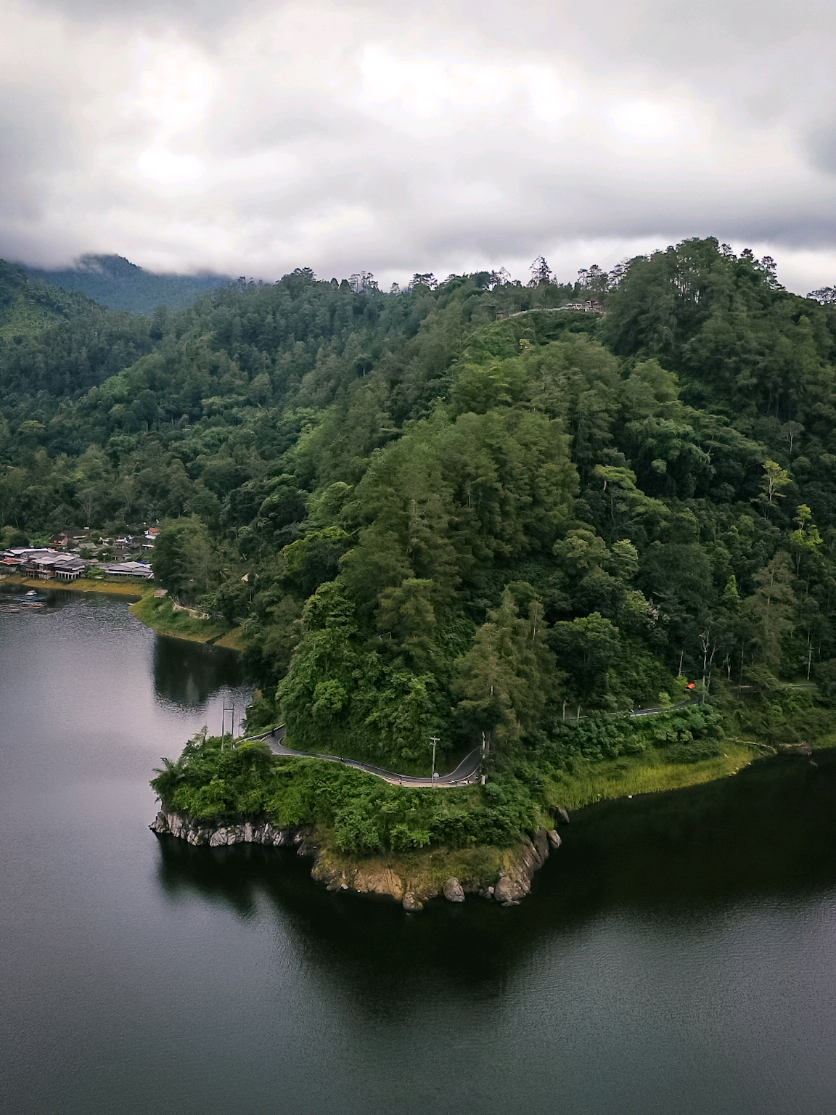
(507, 882)
(219, 835)
(515, 883)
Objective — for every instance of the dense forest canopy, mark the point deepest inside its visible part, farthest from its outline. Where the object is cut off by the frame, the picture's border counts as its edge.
(458, 509)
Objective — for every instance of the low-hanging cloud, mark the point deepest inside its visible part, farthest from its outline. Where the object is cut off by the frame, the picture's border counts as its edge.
(417, 137)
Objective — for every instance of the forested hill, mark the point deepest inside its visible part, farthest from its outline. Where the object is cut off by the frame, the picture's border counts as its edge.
(114, 281)
(27, 306)
(55, 344)
(436, 518)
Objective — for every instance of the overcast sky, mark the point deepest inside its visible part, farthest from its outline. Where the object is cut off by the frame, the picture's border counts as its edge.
(259, 136)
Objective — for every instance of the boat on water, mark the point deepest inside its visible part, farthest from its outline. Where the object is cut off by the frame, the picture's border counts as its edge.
(32, 597)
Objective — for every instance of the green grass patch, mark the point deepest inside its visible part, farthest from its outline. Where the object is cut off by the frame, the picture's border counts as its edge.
(641, 774)
(162, 616)
(82, 584)
(233, 640)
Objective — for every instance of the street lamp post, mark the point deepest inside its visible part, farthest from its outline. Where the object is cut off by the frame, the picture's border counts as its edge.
(434, 741)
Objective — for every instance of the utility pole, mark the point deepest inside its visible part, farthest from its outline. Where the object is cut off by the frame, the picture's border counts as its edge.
(434, 741)
(227, 708)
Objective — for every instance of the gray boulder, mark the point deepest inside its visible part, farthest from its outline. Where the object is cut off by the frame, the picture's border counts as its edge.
(540, 847)
(510, 890)
(452, 891)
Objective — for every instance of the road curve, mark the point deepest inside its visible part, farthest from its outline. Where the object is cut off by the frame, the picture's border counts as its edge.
(466, 773)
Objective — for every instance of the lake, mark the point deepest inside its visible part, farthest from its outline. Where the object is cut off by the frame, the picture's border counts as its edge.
(678, 954)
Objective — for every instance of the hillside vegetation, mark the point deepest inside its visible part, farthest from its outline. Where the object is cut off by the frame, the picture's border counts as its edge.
(434, 518)
(28, 307)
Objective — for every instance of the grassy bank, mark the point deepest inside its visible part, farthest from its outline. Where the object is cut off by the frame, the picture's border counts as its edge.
(424, 871)
(233, 640)
(83, 584)
(159, 614)
(645, 774)
(163, 616)
(390, 839)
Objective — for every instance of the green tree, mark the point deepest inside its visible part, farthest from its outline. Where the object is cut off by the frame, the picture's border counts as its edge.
(626, 504)
(806, 539)
(588, 649)
(774, 480)
(405, 614)
(771, 609)
(506, 677)
(184, 561)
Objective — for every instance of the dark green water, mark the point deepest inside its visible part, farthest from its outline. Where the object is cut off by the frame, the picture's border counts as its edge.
(678, 956)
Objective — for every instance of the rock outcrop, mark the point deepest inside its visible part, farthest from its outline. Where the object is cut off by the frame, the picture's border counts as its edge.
(372, 877)
(515, 882)
(220, 835)
(452, 891)
(802, 747)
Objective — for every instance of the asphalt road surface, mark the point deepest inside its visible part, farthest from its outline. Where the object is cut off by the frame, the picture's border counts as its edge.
(465, 773)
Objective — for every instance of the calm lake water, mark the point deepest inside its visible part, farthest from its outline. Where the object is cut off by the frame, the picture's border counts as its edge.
(678, 955)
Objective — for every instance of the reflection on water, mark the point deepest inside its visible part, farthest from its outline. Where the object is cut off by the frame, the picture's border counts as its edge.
(678, 954)
(769, 829)
(188, 673)
(768, 832)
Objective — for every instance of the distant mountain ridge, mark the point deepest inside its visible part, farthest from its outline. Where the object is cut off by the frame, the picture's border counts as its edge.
(112, 280)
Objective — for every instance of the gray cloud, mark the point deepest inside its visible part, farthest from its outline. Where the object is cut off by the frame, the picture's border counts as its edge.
(447, 136)
(821, 145)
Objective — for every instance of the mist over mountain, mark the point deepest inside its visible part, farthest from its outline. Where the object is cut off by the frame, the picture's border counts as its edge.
(112, 280)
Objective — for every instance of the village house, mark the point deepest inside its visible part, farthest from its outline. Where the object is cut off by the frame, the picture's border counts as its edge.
(47, 564)
(124, 546)
(44, 563)
(69, 538)
(122, 569)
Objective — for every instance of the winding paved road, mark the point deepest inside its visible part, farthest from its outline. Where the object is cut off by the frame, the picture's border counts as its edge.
(465, 773)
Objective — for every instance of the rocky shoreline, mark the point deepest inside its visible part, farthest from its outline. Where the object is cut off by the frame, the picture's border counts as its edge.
(510, 885)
